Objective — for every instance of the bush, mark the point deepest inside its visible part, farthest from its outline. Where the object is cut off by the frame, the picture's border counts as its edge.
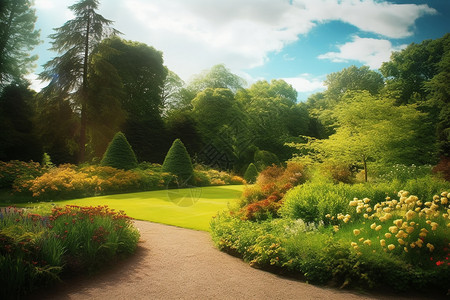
(265, 158)
(178, 162)
(14, 169)
(119, 154)
(36, 249)
(443, 168)
(251, 173)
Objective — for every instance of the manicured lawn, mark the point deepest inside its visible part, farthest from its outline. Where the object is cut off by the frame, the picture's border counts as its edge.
(188, 208)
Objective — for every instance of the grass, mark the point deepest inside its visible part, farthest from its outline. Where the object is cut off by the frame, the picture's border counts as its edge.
(188, 208)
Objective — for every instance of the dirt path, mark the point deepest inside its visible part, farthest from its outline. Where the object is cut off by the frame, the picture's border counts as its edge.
(176, 263)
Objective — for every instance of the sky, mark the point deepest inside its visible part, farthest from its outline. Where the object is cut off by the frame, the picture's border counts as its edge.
(299, 41)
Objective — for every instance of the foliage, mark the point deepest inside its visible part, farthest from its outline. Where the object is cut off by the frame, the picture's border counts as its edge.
(119, 154)
(400, 172)
(251, 173)
(75, 42)
(178, 162)
(361, 137)
(12, 170)
(18, 38)
(265, 159)
(443, 168)
(17, 115)
(401, 244)
(218, 77)
(36, 249)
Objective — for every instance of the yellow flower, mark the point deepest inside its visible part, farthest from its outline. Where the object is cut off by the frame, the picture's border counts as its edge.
(393, 229)
(398, 222)
(434, 225)
(354, 202)
(444, 200)
(366, 216)
(378, 228)
(419, 243)
(356, 231)
(354, 244)
(428, 222)
(423, 234)
(431, 247)
(387, 209)
(361, 239)
(410, 214)
(406, 249)
(368, 242)
(401, 241)
(369, 209)
(373, 226)
(366, 200)
(391, 247)
(335, 228)
(388, 235)
(412, 245)
(327, 216)
(382, 243)
(444, 194)
(409, 229)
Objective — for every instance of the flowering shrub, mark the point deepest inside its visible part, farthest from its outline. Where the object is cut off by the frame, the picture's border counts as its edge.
(14, 169)
(35, 249)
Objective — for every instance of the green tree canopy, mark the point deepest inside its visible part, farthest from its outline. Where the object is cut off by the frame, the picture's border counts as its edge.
(370, 128)
(17, 39)
(218, 77)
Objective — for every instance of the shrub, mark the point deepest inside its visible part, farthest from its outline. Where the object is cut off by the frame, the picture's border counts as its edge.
(265, 158)
(119, 154)
(14, 169)
(443, 168)
(178, 162)
(251, 173)
(36, 249)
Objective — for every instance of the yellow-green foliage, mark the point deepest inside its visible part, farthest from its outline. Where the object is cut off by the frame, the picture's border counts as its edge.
(178, 162)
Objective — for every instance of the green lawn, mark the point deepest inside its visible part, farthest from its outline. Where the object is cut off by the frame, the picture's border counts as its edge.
(188, 208)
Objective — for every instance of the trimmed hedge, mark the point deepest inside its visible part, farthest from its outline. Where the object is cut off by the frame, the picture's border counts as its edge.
(119, 154)
(251, 173)
(178, 162)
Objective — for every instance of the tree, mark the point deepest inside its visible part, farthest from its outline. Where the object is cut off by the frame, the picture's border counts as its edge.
(218, 77)
(388, 134)
(119, 154)
(18, 139)
(68, 73)
(178, 162)
(251, 173)
(17, 38)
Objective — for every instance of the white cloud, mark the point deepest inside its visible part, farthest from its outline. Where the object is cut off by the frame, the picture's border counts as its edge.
(197, 34)
(306, 83)
(371, 52)
(36, 84)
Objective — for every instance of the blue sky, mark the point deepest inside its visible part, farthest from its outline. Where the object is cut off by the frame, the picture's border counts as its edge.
(300, 41)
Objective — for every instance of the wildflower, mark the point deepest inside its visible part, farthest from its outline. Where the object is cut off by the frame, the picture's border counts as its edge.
(361, 239)
(369, 209)
(431, 247)
(410, 214)
(388, 235)
(387, 209)
(434, 225)
(401, 234)
(406, 249)
(382, 243)
(412, 245)
(366, 216)
(354, 244)
(354, 202)
(419, 243)
(356, 231)
(444, 194)
(401, 241)
(368, 242)
(373, 226)
(336, 228)
(391, 247)
(398, 222)
(409, 229)
(378, 228)
(393, 229)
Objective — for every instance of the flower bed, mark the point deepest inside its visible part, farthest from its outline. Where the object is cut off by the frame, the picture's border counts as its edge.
(35, 249)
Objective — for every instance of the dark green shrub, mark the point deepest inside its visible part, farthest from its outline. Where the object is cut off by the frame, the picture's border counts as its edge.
(251, 173)
(178, 162)
(119, 154)
(265, 158)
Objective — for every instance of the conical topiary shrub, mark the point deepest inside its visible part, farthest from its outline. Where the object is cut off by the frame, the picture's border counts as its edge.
(251, 173)
(178, 162)
(119, 154)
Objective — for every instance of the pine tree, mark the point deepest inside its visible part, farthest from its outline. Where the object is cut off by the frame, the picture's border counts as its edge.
(119, 154)
(75, 41)
(178, 162)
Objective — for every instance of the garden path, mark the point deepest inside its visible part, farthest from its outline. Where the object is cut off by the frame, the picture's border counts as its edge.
(177, 263)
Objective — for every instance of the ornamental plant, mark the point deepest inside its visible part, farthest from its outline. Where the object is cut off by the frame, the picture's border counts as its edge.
(178, 162)
(119, 154)
(251, 173)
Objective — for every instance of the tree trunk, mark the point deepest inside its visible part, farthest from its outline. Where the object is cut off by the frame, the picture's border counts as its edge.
(84, 95)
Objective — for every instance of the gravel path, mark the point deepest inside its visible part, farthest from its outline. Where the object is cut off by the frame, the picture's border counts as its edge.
(177, 263)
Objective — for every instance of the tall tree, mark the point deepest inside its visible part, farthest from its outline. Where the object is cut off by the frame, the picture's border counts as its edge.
(218, 77)
(75, 41)
(17, 38)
